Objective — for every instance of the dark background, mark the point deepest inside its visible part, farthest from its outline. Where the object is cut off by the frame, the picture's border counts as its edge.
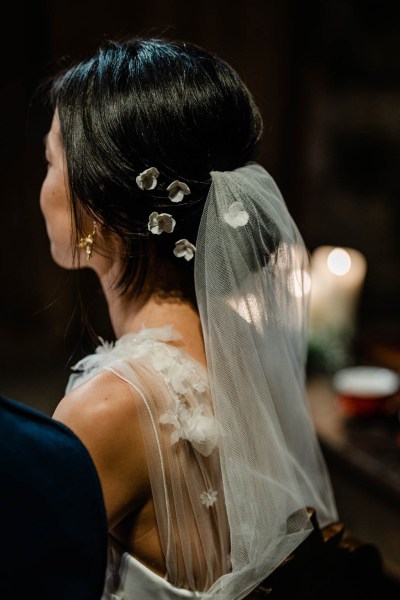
(325, 74)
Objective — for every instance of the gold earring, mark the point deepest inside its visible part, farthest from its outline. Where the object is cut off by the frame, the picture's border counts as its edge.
(87, 242)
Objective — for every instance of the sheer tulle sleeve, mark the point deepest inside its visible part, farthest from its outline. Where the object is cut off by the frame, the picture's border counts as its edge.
(180, 436)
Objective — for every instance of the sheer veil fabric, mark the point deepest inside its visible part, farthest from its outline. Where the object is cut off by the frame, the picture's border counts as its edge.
(252, 287)
(232, 453)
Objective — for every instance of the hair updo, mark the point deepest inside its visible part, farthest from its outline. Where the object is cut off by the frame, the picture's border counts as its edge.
(151, 103)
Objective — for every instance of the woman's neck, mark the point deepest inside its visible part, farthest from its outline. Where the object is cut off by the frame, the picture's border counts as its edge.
(129, 316)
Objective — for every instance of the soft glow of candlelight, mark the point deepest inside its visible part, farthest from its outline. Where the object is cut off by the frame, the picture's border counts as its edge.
(339, 261)
(337, 276)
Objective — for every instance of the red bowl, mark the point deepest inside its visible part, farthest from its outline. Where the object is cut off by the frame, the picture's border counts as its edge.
(365, 390)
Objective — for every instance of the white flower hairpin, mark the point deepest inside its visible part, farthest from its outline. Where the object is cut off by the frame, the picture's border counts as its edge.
(236, 216)
(177, 190)
(164, 222)
(147, 180)
(161, 222)
(184, 249)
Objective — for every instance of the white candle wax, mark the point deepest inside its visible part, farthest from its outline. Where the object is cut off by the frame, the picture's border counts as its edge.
(337, 276)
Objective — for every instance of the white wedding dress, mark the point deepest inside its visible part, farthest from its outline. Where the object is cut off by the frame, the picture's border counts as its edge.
(134, 581)
(180, 438)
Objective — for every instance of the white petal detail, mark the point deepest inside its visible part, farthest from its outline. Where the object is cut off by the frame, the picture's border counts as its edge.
(177, 190)
(184, 249)
(209, 498)
(161, 222)
(147, 180)
(193, 425)
(236, 216)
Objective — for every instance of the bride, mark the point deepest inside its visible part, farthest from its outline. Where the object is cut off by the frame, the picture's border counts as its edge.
(196, 417)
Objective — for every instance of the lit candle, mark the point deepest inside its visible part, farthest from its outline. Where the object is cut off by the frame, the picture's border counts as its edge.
(337, 276)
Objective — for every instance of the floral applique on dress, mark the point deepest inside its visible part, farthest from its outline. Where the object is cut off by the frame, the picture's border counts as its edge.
(209, 497)
(190, 424)
(192, 421)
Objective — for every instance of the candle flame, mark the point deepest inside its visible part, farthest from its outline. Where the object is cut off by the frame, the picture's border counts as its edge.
(339, 262)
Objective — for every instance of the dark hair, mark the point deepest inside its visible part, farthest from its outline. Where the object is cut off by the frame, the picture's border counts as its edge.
(151, 103)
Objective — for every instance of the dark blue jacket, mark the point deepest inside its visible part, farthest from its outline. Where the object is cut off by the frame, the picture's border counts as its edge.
(53, 530)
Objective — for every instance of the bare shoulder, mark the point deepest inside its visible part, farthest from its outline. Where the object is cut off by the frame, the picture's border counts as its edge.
(103, 414)
(102, 403)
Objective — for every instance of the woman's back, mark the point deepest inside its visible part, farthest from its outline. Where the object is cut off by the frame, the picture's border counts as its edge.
(178, 526)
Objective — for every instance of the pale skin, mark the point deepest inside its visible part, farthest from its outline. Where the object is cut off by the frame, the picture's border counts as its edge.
(102, 411)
